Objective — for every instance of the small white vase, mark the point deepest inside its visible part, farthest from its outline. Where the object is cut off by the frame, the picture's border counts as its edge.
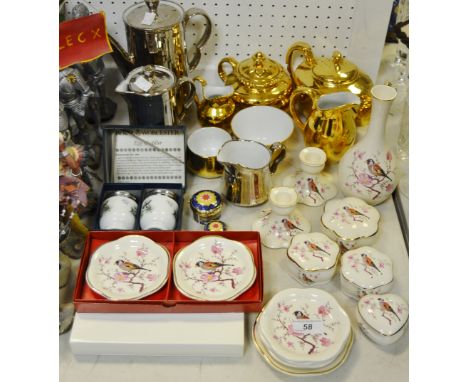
(368, 170)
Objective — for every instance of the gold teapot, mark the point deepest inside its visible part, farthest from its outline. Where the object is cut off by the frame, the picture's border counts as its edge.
(214, 103)
(257, 80)
(331, 75)
(331, 124)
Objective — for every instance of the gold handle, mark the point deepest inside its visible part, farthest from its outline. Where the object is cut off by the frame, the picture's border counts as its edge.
(195, 59)
(278, 152)
(203, 83)
(302, 47)
(222, 74)
(300, 92)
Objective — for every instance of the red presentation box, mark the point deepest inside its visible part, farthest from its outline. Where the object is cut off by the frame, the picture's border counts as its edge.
(168, 299)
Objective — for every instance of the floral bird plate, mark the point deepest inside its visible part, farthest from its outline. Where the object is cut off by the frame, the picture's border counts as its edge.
(213, 268)
(304, 328)
(129, 268)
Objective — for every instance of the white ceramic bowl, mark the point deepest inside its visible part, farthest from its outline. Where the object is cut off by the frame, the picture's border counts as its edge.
(351, 222)
(313, 258)
(383, 318)
(264, 124)
(365, 271)
(207, 141)
(295, 327)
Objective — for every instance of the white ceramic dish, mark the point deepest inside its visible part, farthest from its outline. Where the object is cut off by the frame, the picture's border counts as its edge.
(213, 268)
(351, 222)
(128, 268)
(383, 318)
(264, 124)
(278, 225)
(207, 141)
(283, 328)
(313, 258)
(365, 271)
(297, 371)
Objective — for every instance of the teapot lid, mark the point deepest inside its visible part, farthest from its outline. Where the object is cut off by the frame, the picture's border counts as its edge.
(259, 71)
(338, 70)
(153, 15)
(150, 80)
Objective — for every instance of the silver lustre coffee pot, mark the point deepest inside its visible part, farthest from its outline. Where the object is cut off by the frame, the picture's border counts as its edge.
(155, 33)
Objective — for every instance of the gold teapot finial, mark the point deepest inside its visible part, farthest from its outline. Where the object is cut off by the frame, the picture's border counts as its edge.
(337, 59)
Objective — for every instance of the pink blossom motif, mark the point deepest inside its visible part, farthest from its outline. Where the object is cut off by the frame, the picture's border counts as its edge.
(291, 331)
(381, 265)
(237, 271)
(367, 302)
(141, 252)
(121, 276)
(120, 290)
(216, 248)
(389, 187)
(185, 265)
(275, 337)
(389, 155)
(323, 310)
(364, 179)
(151, 277)
(325, 341)
(212, 290)
(399, 310)
(290, 344)
(206, 277)
(360, 154)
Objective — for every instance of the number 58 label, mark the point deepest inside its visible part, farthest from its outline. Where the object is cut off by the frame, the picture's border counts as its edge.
(308, 326)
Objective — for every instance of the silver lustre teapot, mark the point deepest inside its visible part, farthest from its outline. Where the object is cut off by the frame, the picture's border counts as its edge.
(155, 33)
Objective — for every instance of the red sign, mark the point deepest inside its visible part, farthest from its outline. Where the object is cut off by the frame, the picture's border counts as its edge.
(83, 39)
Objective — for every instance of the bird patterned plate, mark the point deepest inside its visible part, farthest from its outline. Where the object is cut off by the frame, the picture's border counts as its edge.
(304, 328)
(129, 268)
(213, 268)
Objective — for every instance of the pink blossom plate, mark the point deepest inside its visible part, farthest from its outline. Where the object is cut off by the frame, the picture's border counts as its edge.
(213, 268)
(129, 268)
(304, 328)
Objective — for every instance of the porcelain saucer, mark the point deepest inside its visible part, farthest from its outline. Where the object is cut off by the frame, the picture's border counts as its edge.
(214, 268)
(129, 268)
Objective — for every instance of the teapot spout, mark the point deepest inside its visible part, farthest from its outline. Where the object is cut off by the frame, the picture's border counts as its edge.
(125, 61)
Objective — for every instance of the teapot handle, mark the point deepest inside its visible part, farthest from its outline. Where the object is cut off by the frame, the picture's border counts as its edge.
(185, 92)
(305, 49)
(300, 92)
(222, 74)
(278, 152)
(195, 59)
(199, 99)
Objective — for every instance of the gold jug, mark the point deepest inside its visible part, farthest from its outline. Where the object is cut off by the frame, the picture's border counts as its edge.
(331, 75)
(214, 103)
(331, 124)
(257, 80)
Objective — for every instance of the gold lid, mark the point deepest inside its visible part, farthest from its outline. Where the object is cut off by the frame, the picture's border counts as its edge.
(336, 70)
(259, 71)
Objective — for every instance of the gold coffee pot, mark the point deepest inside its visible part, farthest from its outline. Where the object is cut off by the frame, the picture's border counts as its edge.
(257, 80)
(331, 124)
(331, 75)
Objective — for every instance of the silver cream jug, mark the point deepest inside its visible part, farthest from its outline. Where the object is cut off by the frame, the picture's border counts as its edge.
(155, 97)
(247, 169)
(155, 32)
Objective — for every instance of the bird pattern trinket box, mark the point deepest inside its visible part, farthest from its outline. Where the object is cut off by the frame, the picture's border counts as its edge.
(365, 271)
(129, 268)
(383, 318)
(214, 269)
(351, 222)
(313, 258)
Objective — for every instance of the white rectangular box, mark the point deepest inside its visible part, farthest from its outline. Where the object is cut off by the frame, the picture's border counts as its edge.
(146, 334)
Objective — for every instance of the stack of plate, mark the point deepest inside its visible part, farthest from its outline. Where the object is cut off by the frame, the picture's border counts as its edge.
(303, 332)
